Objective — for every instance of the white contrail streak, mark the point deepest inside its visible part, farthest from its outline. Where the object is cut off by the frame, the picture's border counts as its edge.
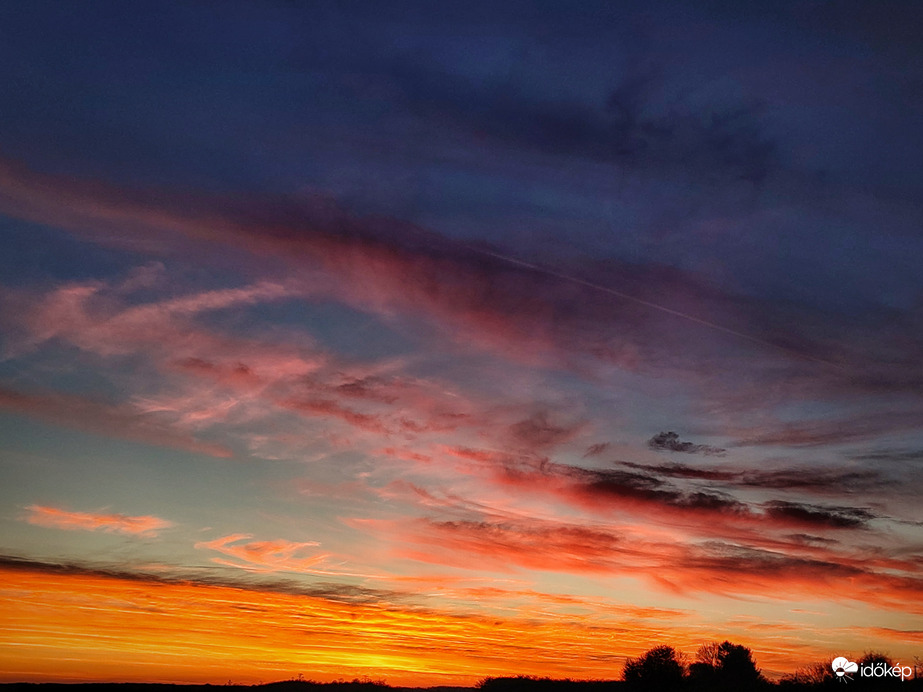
(652, 306)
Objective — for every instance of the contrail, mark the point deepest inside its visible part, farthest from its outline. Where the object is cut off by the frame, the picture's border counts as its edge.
(653, 306)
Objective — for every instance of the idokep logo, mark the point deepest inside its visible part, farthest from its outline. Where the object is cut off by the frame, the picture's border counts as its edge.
(842, 667)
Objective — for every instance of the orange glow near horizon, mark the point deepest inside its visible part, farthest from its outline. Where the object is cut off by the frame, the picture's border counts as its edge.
(86, 627)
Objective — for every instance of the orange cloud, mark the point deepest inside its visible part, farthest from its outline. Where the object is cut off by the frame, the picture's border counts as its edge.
(715, 567)
(54, 518)
(132, 627)
(264, 556)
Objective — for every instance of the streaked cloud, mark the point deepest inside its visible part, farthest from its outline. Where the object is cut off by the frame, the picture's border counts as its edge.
(57, 518)
(282, 628)
(267, 556)
(119, 421)
(671, 565)
(629, 318)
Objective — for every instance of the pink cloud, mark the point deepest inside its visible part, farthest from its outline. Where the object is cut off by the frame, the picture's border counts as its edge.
(122, 421)
(327, 408)
(641, 318)
(55, 518)
(474, 296)
(254, 377)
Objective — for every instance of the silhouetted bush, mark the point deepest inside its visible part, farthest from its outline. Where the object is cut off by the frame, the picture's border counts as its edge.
(724, 667)
(660, 668)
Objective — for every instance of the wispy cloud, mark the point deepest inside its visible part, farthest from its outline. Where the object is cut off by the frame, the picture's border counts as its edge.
(683, 568)
(640, 318)
(645, 492)
(56, 518)
(344, 630)
(835, 431)
(832, 480)
(264, 556)
(838, 517)
(246, 378)
(123, 421)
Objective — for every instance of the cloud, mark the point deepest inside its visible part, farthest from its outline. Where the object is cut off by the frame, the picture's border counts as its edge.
(677, 470)
(836, 517)
(326, 407)
(195, 620)
(122, 421)
(247, 378)
(903, 636)
(263, 556)
(803, 478)
(278, 555)
(587, 318)
(56, 518)
(254, 580)
(596, 449)
(538, 431)
(536, 545)
(743, 570)
(838, 431)
(620, 313)
(705, 507)
(716, 566)
(613, 491)
(902, 455)
(669, 441)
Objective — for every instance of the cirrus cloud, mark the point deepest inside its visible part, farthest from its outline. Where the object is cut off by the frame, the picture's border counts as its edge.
(57, 518)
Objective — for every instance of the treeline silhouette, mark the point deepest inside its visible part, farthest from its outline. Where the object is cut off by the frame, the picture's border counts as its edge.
(727, 667)
(715, 667)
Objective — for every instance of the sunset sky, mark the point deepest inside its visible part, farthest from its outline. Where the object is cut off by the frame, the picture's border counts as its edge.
(429, 341)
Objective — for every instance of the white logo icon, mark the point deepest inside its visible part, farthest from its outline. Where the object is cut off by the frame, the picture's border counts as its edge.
(841, 666)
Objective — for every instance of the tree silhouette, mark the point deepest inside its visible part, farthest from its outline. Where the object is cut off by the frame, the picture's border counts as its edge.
(725, 666)
(660, 668)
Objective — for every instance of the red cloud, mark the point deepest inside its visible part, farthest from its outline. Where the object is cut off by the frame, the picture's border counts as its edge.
(326, 407)
(54, 518)
(715, 567)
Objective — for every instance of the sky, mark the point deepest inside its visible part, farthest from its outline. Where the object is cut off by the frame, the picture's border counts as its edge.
(434, 341)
